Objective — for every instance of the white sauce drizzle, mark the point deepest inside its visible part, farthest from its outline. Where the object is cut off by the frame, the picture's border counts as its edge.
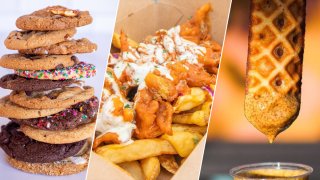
(137, 63)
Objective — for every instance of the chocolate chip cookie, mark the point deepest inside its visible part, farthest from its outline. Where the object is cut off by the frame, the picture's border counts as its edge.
(10, 110)
(67, 47)
(54, 18)
(57, 98)
(18, 40)
(36, 62)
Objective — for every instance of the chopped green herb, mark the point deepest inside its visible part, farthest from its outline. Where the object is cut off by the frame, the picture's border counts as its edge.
(109, 73)
(127, 106)
(136, 80)
(195, 140)
(156, 66)
(165, 51)
(190, 17)
(123, 87)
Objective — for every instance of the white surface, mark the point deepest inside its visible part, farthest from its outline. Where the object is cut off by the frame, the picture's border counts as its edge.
(100, 32)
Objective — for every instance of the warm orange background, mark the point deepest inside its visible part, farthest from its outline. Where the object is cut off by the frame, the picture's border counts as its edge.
(228, 121)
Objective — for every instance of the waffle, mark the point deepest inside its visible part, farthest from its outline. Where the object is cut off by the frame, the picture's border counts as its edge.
(274, 66)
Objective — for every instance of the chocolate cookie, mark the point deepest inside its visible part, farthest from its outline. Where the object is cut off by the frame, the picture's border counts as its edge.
(60, 137)
(67, 47)
(78, 71)
(10, 110)
(21, 147)
(54, 18)
(81, 113)
(57, 98)
(35, 62)
(18, 40)
(18, 83)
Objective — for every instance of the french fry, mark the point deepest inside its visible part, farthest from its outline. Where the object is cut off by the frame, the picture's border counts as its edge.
(189, 128)
(169, 163)
(133, 168)
(116, 41)
(151, 168)
(197, 118)
(139, 149)
(206, 108)
(194, 116)
(183, 142)
(192, 100)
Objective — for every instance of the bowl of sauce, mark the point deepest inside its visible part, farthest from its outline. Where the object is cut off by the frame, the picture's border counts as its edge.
(271, 170)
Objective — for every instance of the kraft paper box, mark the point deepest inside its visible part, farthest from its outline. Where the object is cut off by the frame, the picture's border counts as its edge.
(138, 19)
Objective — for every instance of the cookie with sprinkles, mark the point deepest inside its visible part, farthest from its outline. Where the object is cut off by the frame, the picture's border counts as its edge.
(81, 113)
(78, 71)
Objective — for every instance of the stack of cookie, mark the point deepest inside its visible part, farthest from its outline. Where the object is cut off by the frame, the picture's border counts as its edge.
(52, 113)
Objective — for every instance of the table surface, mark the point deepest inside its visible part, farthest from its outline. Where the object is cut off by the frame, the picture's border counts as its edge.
(100, 32)
(220, 157)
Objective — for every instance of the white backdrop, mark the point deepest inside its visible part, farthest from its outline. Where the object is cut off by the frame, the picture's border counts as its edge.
(100, 32)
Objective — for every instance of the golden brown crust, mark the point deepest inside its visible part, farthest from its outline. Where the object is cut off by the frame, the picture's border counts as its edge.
(64, 98)
(51, 169)
(60, 137)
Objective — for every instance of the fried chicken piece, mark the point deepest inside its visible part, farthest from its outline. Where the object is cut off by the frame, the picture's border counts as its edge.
(211, 59)
(161, 87)
(197, 28)
(124, 42)
(146, 109)
(164, 117)
(198, 77)
(106, 138)
(177, 71)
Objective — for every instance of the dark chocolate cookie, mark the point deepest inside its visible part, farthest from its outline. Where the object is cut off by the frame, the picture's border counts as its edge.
(80, 113)
(18, 83)
(20, 147)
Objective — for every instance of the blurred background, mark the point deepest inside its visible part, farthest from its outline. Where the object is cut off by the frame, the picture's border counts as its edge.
(99, 32)
(232, 140)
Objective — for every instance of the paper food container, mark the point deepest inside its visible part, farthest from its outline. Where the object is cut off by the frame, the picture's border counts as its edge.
(144, 17)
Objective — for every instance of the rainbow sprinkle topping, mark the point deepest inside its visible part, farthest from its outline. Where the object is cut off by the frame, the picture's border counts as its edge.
(78, 71)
